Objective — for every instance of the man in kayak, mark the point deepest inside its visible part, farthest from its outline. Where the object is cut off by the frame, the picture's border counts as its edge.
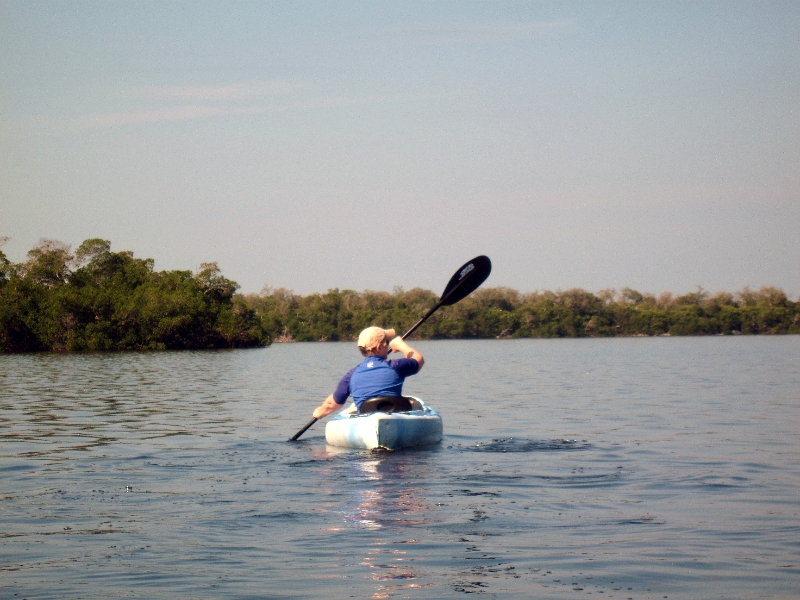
(376, 376)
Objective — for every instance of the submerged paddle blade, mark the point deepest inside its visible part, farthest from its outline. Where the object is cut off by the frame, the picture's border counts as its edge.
(466, 280)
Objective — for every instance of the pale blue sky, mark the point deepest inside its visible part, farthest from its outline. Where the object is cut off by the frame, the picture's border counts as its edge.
(312, 145)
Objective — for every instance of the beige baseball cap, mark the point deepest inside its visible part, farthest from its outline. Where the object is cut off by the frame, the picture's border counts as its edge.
(371, 337)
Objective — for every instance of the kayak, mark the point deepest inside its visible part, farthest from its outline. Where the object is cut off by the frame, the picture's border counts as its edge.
(389, 422)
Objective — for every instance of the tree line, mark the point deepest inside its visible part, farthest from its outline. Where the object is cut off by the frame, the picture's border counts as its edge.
(96, 299)
(506, 313)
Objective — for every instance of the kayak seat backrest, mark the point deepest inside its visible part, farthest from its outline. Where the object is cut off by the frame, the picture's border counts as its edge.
(386, 404)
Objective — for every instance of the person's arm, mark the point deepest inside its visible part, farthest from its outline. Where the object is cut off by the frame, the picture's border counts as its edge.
(330, 405)
(398, 344)
(341, 393)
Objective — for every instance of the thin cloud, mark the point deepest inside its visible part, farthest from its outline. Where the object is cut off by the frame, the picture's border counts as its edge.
(489, 33)
(188, 112)
(227, 106)
(215, 93)
(176, 113)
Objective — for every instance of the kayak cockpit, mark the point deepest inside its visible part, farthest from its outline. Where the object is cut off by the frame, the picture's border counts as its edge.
(390, 404)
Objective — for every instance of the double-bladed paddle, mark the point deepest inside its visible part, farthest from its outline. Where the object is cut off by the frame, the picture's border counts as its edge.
(466, 280)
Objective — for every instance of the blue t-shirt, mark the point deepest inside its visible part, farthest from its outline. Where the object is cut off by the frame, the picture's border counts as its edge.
(375, 377)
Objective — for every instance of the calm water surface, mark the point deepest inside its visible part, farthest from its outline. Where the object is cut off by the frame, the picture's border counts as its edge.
(629, 468)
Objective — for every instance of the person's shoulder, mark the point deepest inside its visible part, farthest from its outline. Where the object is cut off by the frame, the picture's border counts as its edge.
(410, 365)
(349, 374)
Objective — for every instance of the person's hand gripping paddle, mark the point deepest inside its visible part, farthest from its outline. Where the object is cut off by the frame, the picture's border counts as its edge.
(466, 280)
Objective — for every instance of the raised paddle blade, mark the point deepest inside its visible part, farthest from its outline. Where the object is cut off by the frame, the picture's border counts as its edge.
(466, 280)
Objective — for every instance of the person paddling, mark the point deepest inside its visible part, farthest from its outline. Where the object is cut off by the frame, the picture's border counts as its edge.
(377, 342)
(376, 376)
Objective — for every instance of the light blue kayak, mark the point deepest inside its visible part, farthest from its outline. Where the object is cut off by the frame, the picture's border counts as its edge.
(390, 423)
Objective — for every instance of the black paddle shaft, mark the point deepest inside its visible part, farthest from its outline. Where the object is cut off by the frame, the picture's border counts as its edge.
(466, 280)
(303, 430)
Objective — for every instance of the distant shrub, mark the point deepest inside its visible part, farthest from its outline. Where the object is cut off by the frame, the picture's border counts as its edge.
(505, 313)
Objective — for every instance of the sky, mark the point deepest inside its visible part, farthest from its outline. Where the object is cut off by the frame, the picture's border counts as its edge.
(375, 145)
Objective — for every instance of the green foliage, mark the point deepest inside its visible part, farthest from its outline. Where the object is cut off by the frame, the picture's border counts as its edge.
(505, 313)
(96, 299)
(336, 315)
(102, 300)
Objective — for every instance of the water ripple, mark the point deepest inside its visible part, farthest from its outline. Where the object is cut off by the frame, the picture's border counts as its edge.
(627, 468)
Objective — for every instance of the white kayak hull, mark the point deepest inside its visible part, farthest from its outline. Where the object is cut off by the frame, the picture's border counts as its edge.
(421, 426)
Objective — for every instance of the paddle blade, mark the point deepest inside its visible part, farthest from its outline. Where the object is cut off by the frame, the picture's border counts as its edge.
(466, 280)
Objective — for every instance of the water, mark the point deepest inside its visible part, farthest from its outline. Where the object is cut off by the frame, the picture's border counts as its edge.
(628, 468)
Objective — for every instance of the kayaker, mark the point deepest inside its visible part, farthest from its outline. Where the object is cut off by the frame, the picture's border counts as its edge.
(376, 376)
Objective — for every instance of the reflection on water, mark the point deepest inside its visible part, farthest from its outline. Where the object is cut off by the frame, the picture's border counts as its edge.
(382, 496)
(627, 468)
(392, 500)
